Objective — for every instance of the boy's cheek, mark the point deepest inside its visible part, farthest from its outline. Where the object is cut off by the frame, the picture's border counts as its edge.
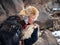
(31, 20)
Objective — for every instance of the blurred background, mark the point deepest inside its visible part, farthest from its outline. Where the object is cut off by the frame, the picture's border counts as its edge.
(49, 17)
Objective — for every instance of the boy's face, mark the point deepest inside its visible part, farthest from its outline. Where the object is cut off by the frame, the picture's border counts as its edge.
(28, 19)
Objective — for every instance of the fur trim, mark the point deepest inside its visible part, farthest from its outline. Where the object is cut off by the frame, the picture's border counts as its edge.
(27, 32)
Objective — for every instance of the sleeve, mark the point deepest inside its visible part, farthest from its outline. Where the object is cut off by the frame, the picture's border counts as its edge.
(33, 38)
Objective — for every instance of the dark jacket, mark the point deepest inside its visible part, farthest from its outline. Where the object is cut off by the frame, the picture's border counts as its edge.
(33, 38)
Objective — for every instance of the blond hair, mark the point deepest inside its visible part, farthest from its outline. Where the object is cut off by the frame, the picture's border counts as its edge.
(30, 10)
